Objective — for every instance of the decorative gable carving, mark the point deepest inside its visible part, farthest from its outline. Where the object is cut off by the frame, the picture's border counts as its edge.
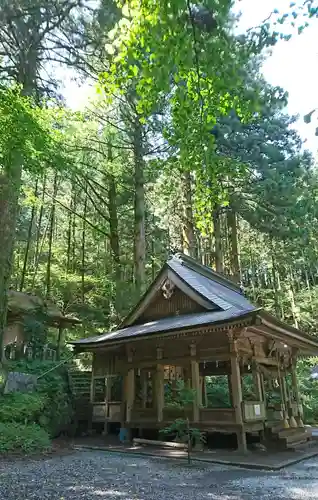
(168, 289)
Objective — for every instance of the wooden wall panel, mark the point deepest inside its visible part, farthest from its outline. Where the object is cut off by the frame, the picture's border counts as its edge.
(160, 307)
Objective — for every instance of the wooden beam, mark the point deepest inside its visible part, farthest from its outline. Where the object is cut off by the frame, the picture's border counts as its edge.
(293, 336)
(165, 444)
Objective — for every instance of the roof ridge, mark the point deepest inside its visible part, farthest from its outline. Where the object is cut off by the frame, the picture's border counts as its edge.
(206, 271)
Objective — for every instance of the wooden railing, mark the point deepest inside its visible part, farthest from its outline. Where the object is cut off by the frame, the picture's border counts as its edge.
(144, 414)
(217, 415)
(99, 412)
(110, 412)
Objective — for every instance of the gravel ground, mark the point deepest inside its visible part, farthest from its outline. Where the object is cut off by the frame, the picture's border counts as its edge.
(98, 475)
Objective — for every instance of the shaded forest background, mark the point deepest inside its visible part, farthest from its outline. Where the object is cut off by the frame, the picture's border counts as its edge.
(94, 202)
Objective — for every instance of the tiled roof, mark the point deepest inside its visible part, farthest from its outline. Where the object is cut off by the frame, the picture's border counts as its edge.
(210, 285)
(167, 325)
(215, 289)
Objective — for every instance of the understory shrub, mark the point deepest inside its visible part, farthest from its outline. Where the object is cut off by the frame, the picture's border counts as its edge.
(23, 438)
(22, 408)
(50, 406)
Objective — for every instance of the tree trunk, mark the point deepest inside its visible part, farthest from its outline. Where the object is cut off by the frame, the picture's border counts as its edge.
(217, 241)
(73, 243)
(291, 294)
(83, 250)
(10, 182)
(69, 235)
(114, 239)
(188, 232)
(139, 211)
(38, 236)
(234, 246)
(51, 231)
(276, 284)
(27, 249)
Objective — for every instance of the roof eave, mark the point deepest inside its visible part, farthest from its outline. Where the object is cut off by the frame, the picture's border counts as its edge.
(290, 331)
(231, 322)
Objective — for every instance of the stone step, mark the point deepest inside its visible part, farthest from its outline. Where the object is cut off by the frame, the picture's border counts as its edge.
(298, 445)
(295, 438)
(283, 433)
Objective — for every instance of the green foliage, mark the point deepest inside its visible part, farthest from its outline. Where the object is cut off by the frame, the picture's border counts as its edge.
(180, 397)
(183, 433)
(22, 408)
(19, 438)
(27, 134)
(218, 391)
(52, 393)
(308, 388)
(35, 330)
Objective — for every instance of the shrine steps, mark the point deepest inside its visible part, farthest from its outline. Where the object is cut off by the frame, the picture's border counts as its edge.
(296, 438)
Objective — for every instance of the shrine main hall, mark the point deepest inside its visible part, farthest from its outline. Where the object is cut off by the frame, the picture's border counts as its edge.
(192, 326)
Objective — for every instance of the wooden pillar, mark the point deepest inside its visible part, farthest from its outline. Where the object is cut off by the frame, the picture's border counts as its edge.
(230, 390)
(201, 388)
(282, 389)
(160, 385)
(91, 400)
(257, 383)
(296, 390)
(130, 397)
(195, 383)
(124, 400)
(108, 388)
(204, 395)
(59, 342)
(160, 392)
(237, 394)
(144, 388)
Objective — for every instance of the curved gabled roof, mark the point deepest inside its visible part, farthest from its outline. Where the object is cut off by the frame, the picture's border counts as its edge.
(222, 302)
(222, 299)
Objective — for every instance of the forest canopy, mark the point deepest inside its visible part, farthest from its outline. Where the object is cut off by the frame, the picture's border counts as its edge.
(185, 147)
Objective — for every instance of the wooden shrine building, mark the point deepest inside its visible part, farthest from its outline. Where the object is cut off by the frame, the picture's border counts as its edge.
(192, 324)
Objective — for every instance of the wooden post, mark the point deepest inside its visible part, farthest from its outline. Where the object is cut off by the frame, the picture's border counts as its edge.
(282, 389)
(160, 390)
(195, 379)
(296, 389)
(123, 401)
(237, 393)
(130, 393)
(108, 384)
(230, 390)
(257, 383)
(160, 385)
(144, 387)
(195, 383)
(59, 342)
(204, 393)
(91, 400)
